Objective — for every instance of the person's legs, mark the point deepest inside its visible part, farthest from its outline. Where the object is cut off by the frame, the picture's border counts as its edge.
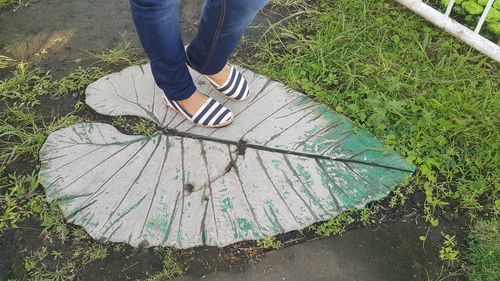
(222, 22)
(157, 23)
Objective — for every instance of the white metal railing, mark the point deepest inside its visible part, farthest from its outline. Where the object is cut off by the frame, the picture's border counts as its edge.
(472, 38)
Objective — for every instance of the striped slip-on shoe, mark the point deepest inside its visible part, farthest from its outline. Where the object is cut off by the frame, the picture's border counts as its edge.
(235, 87)
(210, 115)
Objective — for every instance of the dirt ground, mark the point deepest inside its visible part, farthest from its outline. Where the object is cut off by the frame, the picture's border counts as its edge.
(57, 34)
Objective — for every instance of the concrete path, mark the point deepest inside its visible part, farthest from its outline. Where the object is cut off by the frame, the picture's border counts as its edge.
(391, 252)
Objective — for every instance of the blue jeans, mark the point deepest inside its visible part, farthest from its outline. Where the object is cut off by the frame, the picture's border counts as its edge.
(222, 22)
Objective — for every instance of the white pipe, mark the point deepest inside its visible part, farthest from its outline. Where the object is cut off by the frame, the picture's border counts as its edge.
(483, 16)
(476, 41)
(448, 9)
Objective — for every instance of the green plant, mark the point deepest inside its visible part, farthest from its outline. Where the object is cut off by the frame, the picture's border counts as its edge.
(120, 121)
(483, 255)
(473, 9)
(137, 126)
(78, 80)
(38, 271)
(25, 86)
(22, 132)
(442, 118)
(19, 198)
(52, 222)
(171, 267)
(448, 252)
(122, 54)
(144, 127)
(14, 4)
(89, 252)
(270, 243)
(334, 226)
(366, 216)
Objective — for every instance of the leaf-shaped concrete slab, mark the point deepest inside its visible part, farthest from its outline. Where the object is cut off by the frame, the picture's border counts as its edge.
(285, 163)
(275, 116)
(183, 191)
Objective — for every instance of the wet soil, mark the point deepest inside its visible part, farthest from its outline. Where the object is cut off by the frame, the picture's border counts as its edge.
(57, 35)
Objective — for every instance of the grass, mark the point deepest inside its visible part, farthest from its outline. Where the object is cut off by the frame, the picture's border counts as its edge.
(171, 267)
(423, 93)
(431, 98)
(78, 80)
(10, 3)
(484, 251)
(136, 126)
(8, 6)
(26, 86)
(122, 54)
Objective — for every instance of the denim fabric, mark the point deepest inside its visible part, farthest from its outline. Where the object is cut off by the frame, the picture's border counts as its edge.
(222, 22)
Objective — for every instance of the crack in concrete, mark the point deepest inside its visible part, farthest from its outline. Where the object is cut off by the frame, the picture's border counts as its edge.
(232, 162)
(242, 145)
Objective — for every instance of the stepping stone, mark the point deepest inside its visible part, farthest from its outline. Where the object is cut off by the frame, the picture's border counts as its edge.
(285, 163)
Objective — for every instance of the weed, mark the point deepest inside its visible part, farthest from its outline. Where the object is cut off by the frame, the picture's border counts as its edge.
(78, 80)
(334, 226)
(31, 262)
(366, 216)
(288, 3)
(53, 224)
(270, 243)
(28, 84)
(19, 199)
(90, 252)
(483, 254)
(13, 5)
(25, 86)
(137, 126)
(122, 54)
(120, 121)
(67, 265)
(144, 127)
(171, 268)
(120, 247)
(79, 234)
(37, 270)
(448, 252)
(22, 132)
